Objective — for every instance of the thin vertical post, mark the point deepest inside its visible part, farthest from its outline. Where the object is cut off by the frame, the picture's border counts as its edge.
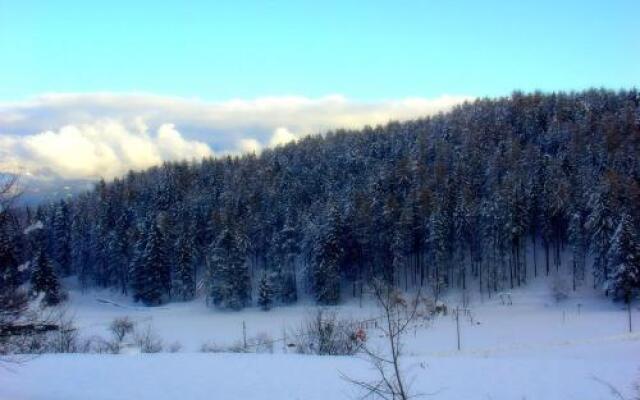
(458, 325)
(244, 335)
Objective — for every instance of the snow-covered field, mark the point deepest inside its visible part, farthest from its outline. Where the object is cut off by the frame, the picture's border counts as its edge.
(534, 349)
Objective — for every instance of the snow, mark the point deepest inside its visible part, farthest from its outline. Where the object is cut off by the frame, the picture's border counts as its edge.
(260, 376)
(33, 227)
(24, 267)
(533, 349)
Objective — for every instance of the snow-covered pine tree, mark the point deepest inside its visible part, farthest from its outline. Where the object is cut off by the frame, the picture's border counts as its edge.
(601, 225)
(117, 244)
(624, 259)
(185, 279)
(578, 241)
(44, 280)
(104, 221)
(61, 240)
(402, 244)
(328, 253)
(287, 249)
(265, 292)
(9, 274)
(440, 244)
(228, 275)
(151, 277)
(81, 241)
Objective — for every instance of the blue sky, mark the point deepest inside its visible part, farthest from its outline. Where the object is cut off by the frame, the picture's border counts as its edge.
(370, 50)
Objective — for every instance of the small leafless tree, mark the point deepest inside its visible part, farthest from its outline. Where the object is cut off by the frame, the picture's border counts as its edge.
(397, 315)
(121, 327)
(148, 341)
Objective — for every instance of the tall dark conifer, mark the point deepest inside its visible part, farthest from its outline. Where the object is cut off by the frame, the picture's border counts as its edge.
(44, 280)
(151, 275)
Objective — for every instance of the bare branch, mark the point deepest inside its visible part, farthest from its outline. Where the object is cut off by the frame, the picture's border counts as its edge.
(397, 316)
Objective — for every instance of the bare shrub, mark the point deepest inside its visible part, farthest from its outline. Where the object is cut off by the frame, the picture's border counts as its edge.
(325, 334)
(174, 347)
(148, 341)
(261, 343)
(237, 347)
(65, 339)
(95, 344)
(212, 347)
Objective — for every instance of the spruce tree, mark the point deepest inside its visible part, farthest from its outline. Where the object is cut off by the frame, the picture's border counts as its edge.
(61, 240)
(9, 274)
(185, 285)
(81, 249)
(578, 241)
(265, 293)
(624, 258)
(228, 276)
(44, 280)
(328, 254)
(601, 226)
(151, 278)
(284, 252)
(118, 245)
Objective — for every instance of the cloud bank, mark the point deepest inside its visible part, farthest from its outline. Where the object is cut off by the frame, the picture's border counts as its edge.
(106, 148)
(85, 136)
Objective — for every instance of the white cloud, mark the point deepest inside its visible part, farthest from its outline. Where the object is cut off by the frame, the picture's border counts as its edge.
(105, 148)
(172, 146)
(249, 146)
(105, 134)
(281, 136)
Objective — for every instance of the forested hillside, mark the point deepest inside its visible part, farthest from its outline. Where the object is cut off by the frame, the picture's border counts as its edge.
(484, 197)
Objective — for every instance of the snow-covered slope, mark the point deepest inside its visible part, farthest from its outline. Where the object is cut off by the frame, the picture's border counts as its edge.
(534, 349)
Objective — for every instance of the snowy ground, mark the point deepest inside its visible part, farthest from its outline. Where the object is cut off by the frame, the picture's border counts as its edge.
(533, 349)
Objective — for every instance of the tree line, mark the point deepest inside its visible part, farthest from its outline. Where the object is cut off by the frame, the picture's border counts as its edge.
(484, 197)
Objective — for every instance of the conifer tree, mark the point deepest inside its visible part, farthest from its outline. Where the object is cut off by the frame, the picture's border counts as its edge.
(601, 226)
(61, 240)
(185, 284)
(265, 293)
(9, 274)
(624, 258)
(228, 277)
(81, 240)
(118, 249)
(286, 249)
(328, 253)
(44, 280)
(151, 277)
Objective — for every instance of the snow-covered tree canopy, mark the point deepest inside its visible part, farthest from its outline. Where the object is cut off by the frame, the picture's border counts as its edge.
(454, 200)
